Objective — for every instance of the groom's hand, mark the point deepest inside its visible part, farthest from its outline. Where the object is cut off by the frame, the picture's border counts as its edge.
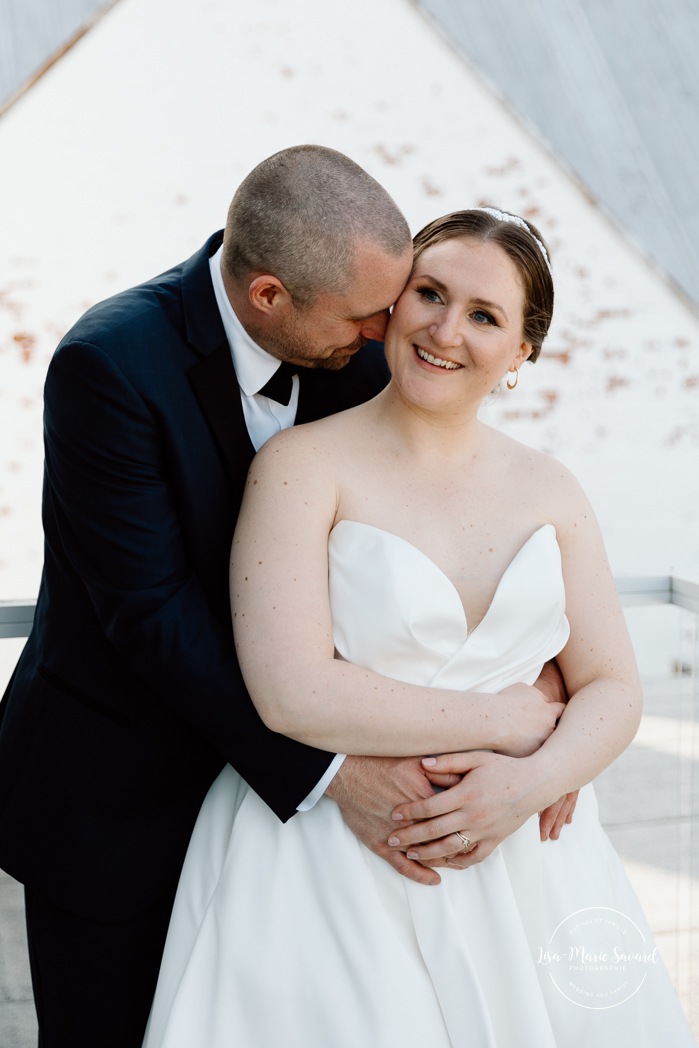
(557, 815)
(367, 789)
(550, 682)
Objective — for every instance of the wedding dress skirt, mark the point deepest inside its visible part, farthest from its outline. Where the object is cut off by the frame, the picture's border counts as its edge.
(297, 936)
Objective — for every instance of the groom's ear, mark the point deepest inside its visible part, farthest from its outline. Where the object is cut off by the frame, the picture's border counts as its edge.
(268, 295)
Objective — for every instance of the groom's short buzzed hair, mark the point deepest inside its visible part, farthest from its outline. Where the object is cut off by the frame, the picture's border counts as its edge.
(299, 216)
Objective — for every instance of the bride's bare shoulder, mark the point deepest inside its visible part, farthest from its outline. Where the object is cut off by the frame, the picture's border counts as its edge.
(539, 473)
(312, 446)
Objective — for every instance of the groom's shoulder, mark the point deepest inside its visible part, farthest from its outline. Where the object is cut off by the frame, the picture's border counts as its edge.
(152, 309)
(365, 375)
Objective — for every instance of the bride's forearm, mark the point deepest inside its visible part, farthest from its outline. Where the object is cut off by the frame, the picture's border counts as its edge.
(337, 706)
(349, 709)
(599, 722)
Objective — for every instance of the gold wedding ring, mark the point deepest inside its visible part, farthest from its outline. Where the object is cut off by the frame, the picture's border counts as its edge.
(466, 840)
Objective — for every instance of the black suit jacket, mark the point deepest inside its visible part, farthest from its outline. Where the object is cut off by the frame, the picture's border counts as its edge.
(127, 699)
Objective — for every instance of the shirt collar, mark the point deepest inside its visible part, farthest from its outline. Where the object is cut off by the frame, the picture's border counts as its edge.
(253, 365)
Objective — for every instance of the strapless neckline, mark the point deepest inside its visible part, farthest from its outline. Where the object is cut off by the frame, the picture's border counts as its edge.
(396, 612)
(425, 558)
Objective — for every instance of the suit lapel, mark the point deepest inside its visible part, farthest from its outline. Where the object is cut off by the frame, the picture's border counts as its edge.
(213, 377)
(216, 388)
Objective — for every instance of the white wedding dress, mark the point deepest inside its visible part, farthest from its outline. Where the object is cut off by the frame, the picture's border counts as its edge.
(297, 936)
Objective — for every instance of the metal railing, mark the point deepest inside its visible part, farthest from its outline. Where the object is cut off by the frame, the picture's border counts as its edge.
(16, 616)
(658, 589)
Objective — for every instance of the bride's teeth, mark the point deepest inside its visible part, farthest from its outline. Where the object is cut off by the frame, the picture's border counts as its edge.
(448, 364)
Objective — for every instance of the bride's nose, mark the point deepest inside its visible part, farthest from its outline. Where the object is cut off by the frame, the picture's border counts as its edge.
(446, 331)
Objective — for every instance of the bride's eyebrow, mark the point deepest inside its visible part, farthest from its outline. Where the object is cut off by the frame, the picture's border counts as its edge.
(492, 306)
(430, 280)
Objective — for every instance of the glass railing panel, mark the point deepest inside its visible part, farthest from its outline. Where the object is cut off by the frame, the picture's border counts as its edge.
(649, 797)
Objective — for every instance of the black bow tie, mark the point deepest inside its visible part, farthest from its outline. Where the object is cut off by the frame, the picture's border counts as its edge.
(279, 386)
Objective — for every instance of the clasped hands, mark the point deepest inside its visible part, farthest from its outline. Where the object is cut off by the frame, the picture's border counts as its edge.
(484, 796)
(492, 797)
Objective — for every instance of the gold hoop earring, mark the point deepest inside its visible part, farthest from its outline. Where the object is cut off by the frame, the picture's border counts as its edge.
(511, 385)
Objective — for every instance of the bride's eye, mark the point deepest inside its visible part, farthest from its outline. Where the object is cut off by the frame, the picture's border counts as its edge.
(428, 294)
(481, 317)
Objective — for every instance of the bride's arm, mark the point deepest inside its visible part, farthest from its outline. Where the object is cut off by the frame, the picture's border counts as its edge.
(283, 632)
(598, 662)
(601, 718)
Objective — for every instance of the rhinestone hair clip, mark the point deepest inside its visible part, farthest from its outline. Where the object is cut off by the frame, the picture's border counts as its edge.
(505, 216)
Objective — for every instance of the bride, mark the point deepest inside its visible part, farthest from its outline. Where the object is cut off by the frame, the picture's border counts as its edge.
(400, 574)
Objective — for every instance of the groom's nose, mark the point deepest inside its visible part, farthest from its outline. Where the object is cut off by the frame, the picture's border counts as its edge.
(375, 327)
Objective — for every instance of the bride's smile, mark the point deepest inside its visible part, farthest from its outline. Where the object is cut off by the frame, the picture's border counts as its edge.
(441, 362)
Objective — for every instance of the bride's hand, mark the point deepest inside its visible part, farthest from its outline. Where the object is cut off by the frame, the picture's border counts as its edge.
(496, 795)
(551, 819)
(531, 717)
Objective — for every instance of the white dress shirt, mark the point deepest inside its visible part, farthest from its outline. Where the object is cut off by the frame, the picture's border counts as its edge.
(254, 367)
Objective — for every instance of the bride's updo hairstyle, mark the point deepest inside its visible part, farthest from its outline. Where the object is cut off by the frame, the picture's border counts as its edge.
(522, 243)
